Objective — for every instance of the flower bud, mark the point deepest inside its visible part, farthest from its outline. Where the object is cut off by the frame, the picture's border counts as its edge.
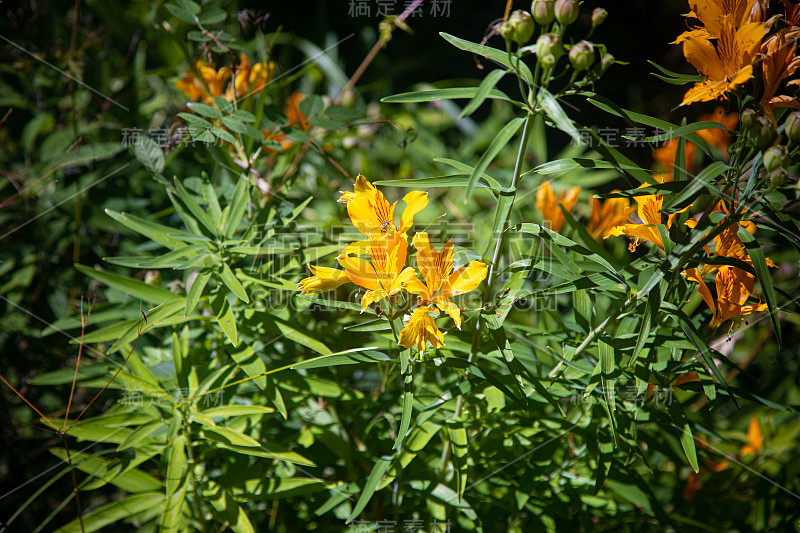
(605, 62)
(567, 11)
(793, 127)
(761, 133)
(518, 27)
(544, 11)
(748, 118)
(598, 16)
(549, 49)
(581, 56)
(776, 157)
(777, 178)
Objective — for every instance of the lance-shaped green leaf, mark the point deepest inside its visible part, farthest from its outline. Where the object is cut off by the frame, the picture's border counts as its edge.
(557, 115)
(693, 186)
(498, 143)
(136, 288)
(432, 95)
(484, 88)
(115, 512)
(373, 480)
(493, 54)
(762, 272)
(229, 279)
(408, 408)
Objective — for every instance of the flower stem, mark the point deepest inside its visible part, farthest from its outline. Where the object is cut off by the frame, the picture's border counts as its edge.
(493, 272)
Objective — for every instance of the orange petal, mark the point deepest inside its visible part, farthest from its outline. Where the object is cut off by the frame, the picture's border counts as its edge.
(421, 330)
(415, 202)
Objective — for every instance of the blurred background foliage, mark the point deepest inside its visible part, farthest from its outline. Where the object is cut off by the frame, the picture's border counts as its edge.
(64, 164)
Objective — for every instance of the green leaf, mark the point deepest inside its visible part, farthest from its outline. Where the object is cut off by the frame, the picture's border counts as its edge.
(176, 479)
(196, 290)
(349, 357)
(375, 477)
(484, 88)
(225, 318)
(230, 436)
(762, 272)
(556, 113)
(408, 408)
(687, 442)
(438, 181)
(433, 95)
(685, 197)
(149, 154)
(204, 110)
(229, 279)
(228, 509)
(233, 410)
(234, 125)
(135, 288)
(238, 205)
(115, 512)
(576, 163)
(498, 143)
(156, 232)
(491, 53)
(193, 207)
(301, 338)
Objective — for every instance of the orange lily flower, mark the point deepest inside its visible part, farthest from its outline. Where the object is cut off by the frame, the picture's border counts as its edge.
(384, 274)
(727, 243)
(371, 213)
(649, 212)
(293, 114)
(421, 330)
(665, 155)
(441, 283)
(213, 82)
(323, 279)
(755, 439)
(608, 214)
(734, 286)
(247, 79)
(719, 138)
(780, 61)
(711, 13)
(547, 201)
(728, 65)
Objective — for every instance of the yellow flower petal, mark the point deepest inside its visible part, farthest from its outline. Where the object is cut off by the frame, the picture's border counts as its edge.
(415, 202)
(323, 279)
(421, 330)
(466, 278)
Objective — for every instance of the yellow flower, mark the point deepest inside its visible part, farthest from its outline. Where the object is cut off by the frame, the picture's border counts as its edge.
(421, 330)
(649, 212)
(384, 274)
(213, 82)
(247, 79)
(547, 201)
(605, 215)
(323, 279)
(711, 13)
(371, 213)
(755, 439)
(441, 283)
(734, 287)
(728, 65)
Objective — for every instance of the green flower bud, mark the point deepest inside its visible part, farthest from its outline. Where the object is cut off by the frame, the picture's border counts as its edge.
(544, 11)
(598, 16)
(567, 11)
(777, 178)
(519, 27)
(776, 157)
(581, 56)
(605, 62)
(549, 49)
(793, 127)
(749, 118)
(761, 133)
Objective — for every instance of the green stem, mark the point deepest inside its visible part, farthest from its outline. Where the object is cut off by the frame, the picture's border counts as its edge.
(493, 273)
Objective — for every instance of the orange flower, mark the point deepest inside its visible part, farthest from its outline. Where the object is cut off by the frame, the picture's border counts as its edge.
(608, 214)
(212, 84)
(716, 137)
(249, 80)
(712, 12)
(665, 155)
(728, 65)
(649, 213)
(293, 114)
(441, 283)
(755, 439)
(278, 137)
(734, 287)
(548, 204)
(779, 61)
(421, 330)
